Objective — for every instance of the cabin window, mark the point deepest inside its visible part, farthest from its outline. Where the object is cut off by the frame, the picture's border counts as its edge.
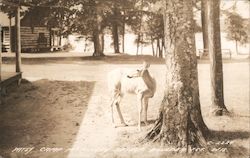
(2, 32)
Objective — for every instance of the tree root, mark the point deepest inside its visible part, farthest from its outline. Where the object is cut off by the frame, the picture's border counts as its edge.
(220, 112)
(155, 130)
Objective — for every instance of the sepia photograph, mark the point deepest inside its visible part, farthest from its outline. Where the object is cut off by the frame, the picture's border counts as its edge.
(124, 79)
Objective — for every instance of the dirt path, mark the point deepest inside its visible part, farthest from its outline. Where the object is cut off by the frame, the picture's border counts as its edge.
(96, 133)
(96, 136)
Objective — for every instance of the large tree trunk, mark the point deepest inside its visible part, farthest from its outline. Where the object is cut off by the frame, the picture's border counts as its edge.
(180, 122)
(115, 32)
(216, 70)
(98, 37)
(97, 31)
(116, 39)
(204, 23)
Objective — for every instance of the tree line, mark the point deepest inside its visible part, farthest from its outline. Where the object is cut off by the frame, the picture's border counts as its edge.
(95, 18)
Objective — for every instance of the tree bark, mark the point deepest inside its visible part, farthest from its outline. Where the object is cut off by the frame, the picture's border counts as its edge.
(115, 32)
(204, 20)
(152, 44)
(161, 49)
(138, 43)
(180, 121)
(102, 42)
(236, 47)
(216, 67)
(141, 44)
(158, 47)
(97, 37)
(123, 34)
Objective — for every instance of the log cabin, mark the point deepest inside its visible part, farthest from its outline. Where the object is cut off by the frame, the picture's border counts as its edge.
(33, 39)
(36, 34)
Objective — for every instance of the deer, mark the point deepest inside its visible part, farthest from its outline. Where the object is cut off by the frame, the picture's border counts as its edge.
(134, 81)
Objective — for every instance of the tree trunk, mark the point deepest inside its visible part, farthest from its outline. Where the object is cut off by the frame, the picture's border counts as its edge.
(97, 31)
(138, 44)
(115, 38)
(204, 20)
(115, 33)
(123, 35)
(218, 107)
(85, 45)
(141, 44)
(158, 47)
(152, 44)
(180, 121)
(236, 47)
(97, 37)
(102, 42)
(161, 49)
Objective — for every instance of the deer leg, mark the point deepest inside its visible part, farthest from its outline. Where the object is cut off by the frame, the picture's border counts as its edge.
(120, 114)
(145, 104)
(139, 98)
(112, 112)
(113, 100)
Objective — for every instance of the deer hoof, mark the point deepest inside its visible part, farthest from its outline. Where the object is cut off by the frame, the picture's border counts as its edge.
(123, 124)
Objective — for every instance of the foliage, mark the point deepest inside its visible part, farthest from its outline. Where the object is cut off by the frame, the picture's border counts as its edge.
(235, 28)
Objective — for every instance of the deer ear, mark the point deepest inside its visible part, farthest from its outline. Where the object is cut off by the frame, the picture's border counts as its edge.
(146, 65)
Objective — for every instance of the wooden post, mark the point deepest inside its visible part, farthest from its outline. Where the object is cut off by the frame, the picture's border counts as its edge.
(18, 40)
(10, 34)
(0, 56)
(0, 64)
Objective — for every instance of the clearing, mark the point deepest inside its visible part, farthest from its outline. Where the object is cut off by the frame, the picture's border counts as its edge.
(62, 110)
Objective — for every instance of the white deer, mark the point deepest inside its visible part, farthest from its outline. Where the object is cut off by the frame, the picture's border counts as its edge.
(139, 82)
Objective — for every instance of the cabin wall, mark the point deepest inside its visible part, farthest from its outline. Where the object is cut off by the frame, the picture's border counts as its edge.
(5, 39)
(29, 37)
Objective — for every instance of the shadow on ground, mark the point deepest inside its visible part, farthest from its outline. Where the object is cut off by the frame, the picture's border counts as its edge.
(229, 135)
(42, 114)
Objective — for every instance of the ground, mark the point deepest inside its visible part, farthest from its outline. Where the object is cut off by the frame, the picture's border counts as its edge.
(62, 109)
